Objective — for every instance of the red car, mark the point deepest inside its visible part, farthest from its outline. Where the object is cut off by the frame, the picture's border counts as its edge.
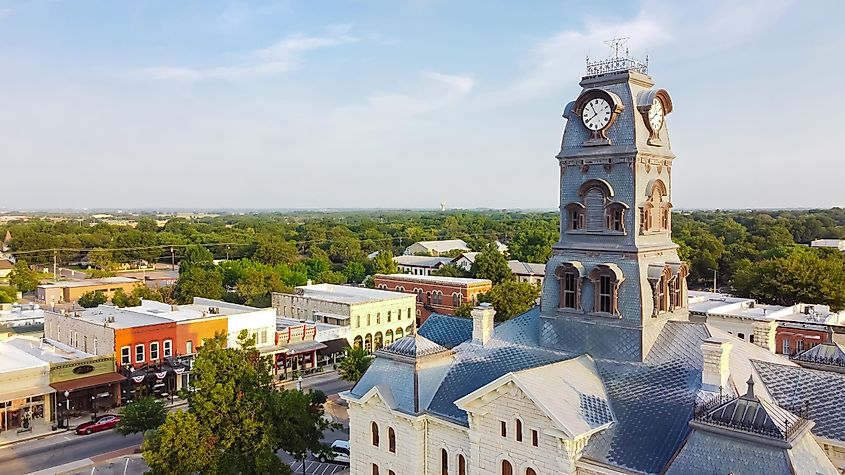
(107, 421)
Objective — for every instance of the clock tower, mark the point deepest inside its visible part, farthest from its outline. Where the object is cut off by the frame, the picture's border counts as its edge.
(614, 277)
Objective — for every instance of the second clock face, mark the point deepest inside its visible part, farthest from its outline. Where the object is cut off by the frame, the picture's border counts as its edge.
(596, 114)
(655, 115)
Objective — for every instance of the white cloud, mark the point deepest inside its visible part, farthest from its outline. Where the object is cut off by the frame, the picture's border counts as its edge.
(280, 57)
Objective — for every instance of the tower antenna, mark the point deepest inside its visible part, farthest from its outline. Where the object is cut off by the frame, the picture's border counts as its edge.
(618, 45)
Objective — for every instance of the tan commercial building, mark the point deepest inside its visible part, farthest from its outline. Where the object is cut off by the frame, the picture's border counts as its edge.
(375, 317)
(71, 290)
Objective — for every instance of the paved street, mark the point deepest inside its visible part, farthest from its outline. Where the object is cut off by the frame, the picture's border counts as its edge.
(61, 449)
(67, 448)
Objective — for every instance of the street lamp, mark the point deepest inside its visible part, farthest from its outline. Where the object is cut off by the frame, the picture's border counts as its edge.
(67, 409)
(299, 384)
(94, 406)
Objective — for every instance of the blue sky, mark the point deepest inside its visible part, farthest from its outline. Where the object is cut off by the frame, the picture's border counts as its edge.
(284, 104)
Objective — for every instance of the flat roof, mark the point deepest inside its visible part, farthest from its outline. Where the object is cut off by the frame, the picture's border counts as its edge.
(282, 323)
(15, 359)
(117, 317)
(47, 350)
(421, 261)
(191, 311)
(347, 294)
(91, 282)
(436, 279)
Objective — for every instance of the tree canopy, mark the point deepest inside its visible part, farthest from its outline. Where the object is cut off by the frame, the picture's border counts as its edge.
(236, 421)
(145, 413)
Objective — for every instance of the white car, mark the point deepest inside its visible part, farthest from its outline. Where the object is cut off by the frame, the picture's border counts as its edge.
(340, 452)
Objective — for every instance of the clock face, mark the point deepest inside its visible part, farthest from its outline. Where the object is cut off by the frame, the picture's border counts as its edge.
(596, 114)
(655, 115)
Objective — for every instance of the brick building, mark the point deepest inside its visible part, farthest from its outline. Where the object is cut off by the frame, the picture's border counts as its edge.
(435, 294)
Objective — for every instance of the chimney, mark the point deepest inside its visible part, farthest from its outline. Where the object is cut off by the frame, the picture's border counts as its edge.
(309, 282)
(764, 334)
(174, 308)
(715, 372)
(482, 323)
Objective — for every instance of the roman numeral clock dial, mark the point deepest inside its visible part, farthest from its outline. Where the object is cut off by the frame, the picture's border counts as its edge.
(596, 114)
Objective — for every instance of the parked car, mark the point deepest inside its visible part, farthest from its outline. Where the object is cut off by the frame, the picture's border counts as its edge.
(340, 452)
(107, 421)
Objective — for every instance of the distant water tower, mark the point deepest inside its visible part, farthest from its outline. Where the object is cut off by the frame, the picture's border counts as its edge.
(442, 206)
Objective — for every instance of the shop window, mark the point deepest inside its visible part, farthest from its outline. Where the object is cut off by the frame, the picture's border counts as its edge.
(154, 351)
(139, 353)
(124, 355)
(189, 347)
(167, 348)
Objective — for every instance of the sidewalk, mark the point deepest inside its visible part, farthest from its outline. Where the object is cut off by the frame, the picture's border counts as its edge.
(41, 428)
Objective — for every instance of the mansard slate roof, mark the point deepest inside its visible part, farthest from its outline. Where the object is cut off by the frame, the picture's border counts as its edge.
(446, 330)
(825, 353)
(651, 402)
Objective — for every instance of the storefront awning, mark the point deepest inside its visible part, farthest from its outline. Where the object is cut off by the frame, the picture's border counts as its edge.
(88, 382)
(304, 347)
(31, 391)
(338, 345)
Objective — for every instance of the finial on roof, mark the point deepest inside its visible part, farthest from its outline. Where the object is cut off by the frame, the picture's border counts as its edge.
(750, 393)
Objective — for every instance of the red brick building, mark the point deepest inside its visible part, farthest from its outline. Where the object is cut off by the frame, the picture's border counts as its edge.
(435, 294)
(794, 337)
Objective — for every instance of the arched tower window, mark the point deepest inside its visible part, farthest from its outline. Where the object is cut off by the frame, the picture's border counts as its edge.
(606, 279)
(596, 211)
(570, 275)
(615, 216)
(444, 462)
(577, 216)
(391, 440)
(462, 465)
(656, 210)
(507, 468)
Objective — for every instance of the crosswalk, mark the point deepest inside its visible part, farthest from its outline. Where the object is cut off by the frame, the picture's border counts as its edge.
(313, 467)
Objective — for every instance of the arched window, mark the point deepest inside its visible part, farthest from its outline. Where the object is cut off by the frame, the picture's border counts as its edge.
(388, 337)
(420, 294)
(399, 333)
(569, 275)
(391, 440)
(507, 468)
(530, 471)
(374, 428)
(615, 216)
(655, 213)
(519, 430)
(462, 465)
(358, 342)
(457, 299)
(606, 279)
(368, 343)
(391, 472)
(375, 469)
(378, 341)
(444, 462)
(399, 288)
(576, 215)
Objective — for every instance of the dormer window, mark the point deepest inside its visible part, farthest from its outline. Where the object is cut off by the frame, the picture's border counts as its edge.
(596, 212)
(570, 275)
(606, 279)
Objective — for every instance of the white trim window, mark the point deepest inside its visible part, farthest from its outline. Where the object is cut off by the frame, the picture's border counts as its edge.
(167, 348)
(124, 355)
(189, 347)
(153, 351)
(139, 353)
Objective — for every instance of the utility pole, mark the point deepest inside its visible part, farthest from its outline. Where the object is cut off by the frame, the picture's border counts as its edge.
(55, 270)
(172, 260)
(714, 281)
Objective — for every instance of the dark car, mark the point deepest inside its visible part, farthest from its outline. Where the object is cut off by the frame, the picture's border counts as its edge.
(107, 421)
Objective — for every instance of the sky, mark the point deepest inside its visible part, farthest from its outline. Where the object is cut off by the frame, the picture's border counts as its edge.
(401, 104)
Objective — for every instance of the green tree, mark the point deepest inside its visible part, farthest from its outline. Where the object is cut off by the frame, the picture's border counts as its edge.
(383, 263)
(236, 420)
(24, 278)
(354, 364)
(180, 446)
(195, 256)
(491, 264)
(511, 298)
(199, 282)
(146, 413)
(92, 299)
(533, 244)
(276, 251)
(120, 299)
(146, 293)
(355, 271)
(102, 259)
(450, 270)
